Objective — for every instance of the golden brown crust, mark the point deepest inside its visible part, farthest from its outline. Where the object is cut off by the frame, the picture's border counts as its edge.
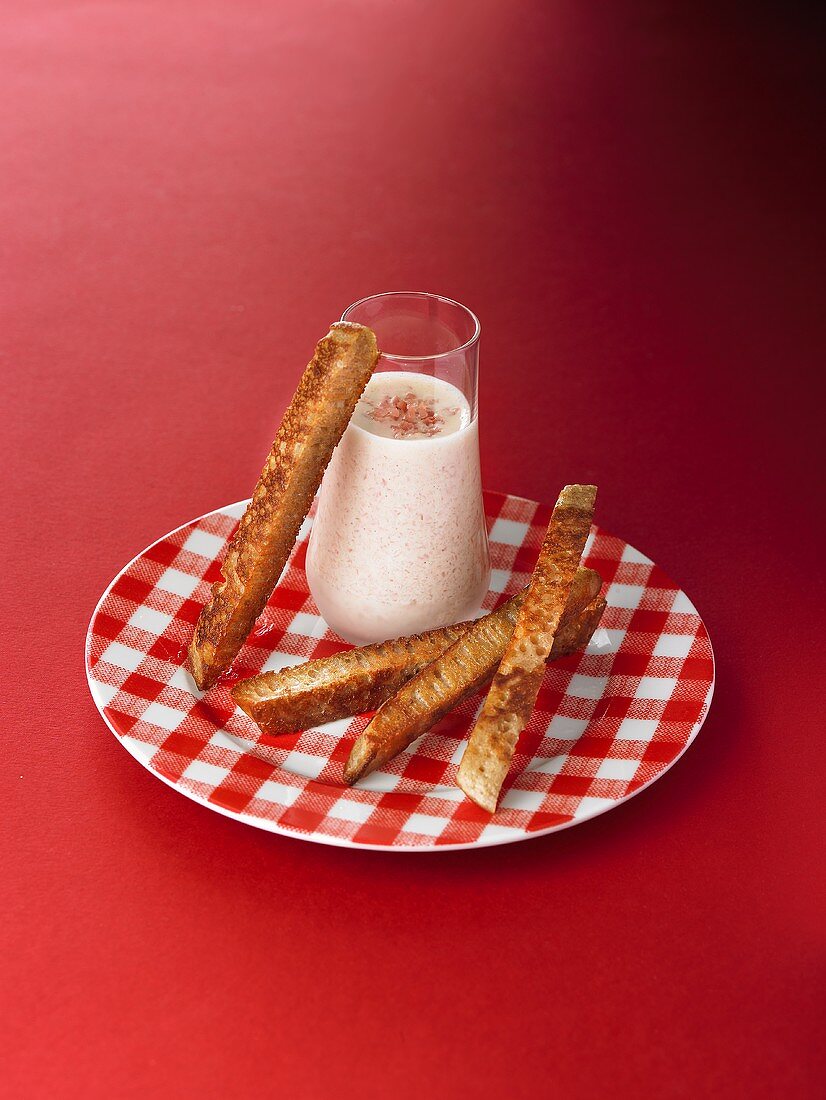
(575, 632)
(339, 686)
(476, 775)
(461, 670)
(513, 692)
(312, 426)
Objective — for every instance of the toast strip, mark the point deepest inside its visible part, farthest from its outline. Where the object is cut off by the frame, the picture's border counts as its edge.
(512, 695)
(461, 670)
(339, 686)
(312, 426)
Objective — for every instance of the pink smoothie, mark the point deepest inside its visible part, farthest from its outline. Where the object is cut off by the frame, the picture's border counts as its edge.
(399, 544)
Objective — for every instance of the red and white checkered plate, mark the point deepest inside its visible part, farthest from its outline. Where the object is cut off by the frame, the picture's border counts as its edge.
(607, 723)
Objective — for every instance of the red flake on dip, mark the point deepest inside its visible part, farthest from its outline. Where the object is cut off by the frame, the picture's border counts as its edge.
(407, 415)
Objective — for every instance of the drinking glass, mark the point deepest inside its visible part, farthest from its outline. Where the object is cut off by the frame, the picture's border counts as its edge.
(399, 542)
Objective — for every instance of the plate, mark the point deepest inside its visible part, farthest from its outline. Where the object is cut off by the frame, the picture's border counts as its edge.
(608, 721)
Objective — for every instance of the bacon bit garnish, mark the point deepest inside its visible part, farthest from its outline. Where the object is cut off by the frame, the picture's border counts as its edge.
(407, 415)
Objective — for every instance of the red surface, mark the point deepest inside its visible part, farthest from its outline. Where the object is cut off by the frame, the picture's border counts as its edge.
(628, 195)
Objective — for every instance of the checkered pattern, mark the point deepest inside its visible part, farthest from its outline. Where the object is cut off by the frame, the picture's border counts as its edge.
(607, 722)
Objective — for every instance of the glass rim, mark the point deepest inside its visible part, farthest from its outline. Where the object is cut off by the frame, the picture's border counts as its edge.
(477, 328)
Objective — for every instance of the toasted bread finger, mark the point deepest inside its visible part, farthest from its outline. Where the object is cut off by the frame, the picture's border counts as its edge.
(339, 686)
(312, 426)
(460, 671)
(513, 692)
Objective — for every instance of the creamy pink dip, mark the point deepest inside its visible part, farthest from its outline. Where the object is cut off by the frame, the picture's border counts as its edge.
(399, 544)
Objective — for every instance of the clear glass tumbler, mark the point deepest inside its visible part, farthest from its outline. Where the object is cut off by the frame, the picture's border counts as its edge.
(399, 542)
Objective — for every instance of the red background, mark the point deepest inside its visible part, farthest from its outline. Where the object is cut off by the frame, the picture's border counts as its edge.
(627, 194)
